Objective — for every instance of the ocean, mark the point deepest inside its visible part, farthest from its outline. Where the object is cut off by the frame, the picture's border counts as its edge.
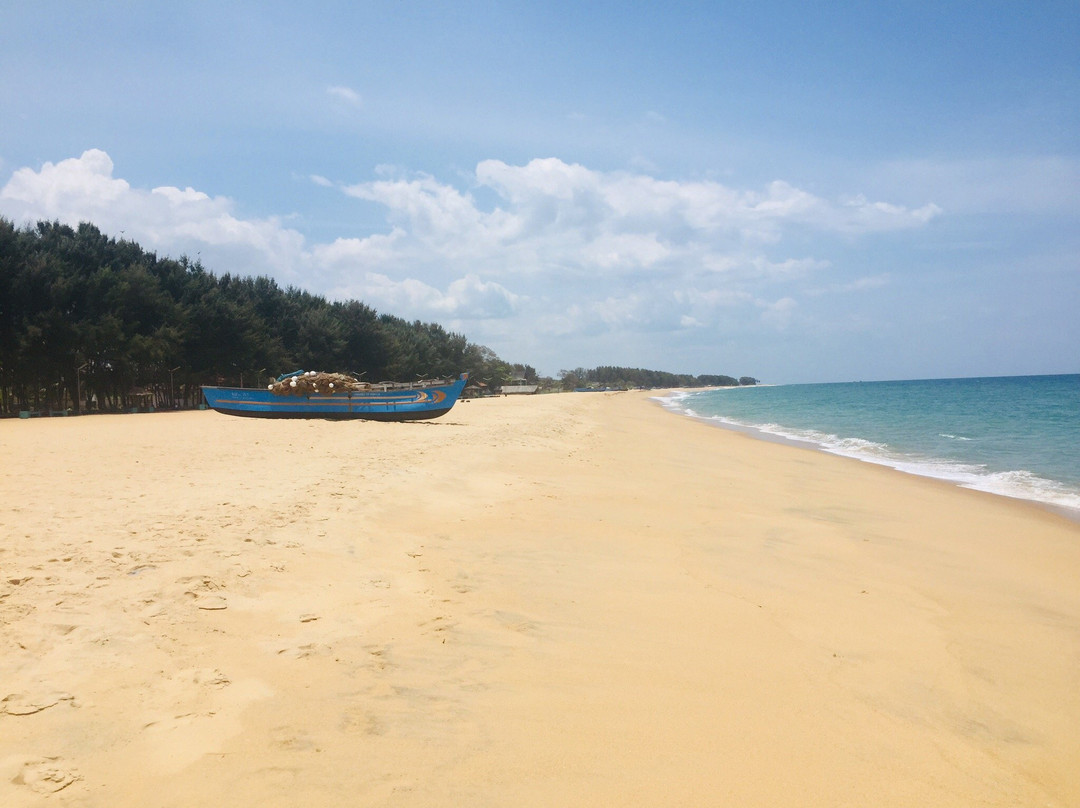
(1017, 436)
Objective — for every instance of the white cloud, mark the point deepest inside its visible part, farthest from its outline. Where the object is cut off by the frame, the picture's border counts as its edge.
(346, 94)
(468, 298)
(564, 250)
(858, 285)
(359, 253)
(788, 268)
(778, 313)
(865, 215)
(713, 298)
(624, 250)
(557, 216)
(79, 187)
(171, 219)
(472, 298)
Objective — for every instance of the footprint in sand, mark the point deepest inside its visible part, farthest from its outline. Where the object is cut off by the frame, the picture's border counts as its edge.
(23, 704)
(210, 603)
(45, 775)
(203, 590)
(517, 622)
(291, 739)
(211, 677)
(359, 721)
(310, 649)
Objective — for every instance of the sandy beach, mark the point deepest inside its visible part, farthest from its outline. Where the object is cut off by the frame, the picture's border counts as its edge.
(571, 600)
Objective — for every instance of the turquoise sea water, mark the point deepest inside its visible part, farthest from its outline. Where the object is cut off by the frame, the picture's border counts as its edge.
(1017, 436)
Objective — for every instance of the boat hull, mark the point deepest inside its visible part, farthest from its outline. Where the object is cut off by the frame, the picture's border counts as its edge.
(414, 404)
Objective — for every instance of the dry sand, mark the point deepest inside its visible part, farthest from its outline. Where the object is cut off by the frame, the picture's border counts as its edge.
(545, 601)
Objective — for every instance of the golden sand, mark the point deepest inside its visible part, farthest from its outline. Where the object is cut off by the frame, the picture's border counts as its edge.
(576, 600)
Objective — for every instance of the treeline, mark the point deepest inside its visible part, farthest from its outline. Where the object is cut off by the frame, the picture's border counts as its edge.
(87, 321)
(609, 376)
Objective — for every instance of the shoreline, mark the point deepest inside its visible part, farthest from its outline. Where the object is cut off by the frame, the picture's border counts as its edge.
(573, 600)
(912, 469)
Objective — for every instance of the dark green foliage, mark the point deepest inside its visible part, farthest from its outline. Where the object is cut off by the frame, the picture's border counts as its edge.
(88, 320)
(618, 378)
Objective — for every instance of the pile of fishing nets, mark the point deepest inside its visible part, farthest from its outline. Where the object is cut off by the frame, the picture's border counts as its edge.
(316, 382)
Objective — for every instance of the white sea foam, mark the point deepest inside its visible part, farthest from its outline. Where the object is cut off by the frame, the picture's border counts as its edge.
(1025, 485)
(1018, 484)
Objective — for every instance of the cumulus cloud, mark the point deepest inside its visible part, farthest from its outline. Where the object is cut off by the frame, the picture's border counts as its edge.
(471, 297)
(166, 218)
(560, 248)
(82, 186)
(467, 298)
(549, 192)
(560, 217)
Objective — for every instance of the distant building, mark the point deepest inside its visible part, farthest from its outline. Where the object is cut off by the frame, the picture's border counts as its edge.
(518, 387)
(475, 390)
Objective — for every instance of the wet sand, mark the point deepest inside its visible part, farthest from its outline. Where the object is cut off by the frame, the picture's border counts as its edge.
(561, 600)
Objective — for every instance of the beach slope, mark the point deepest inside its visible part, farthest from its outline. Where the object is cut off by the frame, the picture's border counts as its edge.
(577, 600)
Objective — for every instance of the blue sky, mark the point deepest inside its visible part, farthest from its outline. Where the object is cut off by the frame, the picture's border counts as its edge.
(794, 191)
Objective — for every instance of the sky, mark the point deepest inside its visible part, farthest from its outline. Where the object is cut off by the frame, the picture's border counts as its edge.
(799, 192)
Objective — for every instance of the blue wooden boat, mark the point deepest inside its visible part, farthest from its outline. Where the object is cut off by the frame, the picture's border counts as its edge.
(385, 401)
